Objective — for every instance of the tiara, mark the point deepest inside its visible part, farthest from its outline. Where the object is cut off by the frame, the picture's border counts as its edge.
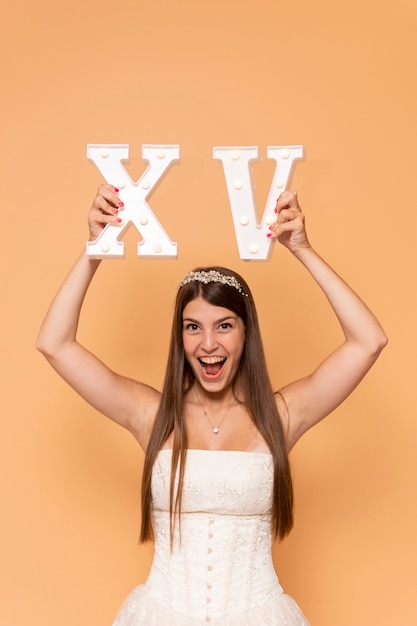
(213, 276)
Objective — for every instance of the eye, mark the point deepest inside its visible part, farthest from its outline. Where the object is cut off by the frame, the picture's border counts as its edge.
(225, 326)
(190, 327)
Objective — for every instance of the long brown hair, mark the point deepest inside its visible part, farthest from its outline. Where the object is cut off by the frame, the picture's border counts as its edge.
(258, 400)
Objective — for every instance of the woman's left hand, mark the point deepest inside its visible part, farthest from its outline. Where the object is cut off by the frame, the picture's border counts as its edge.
(289, 227)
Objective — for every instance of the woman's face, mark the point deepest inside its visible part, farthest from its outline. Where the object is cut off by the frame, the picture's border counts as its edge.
(214, 338)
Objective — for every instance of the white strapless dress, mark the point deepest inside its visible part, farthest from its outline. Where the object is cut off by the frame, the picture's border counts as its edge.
(220, 570)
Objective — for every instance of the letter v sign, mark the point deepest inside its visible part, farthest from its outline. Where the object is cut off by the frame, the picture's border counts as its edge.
(251, 237)
(108, 160)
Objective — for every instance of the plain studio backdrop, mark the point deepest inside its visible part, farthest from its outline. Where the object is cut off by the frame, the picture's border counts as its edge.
(338, 78)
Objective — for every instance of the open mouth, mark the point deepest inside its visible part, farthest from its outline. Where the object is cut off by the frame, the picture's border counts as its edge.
(212, 365)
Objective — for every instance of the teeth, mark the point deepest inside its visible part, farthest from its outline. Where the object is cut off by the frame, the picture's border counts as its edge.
(210, 360)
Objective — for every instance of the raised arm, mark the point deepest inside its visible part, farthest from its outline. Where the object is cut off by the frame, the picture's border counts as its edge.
(311, 398)
(123, 400)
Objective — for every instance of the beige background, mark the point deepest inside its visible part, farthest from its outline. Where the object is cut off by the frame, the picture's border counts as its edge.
(338, 78)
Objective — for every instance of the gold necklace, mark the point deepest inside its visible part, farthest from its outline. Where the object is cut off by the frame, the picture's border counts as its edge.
(215, 428)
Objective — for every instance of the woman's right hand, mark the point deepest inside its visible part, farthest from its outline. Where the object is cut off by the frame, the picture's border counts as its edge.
(104, 210)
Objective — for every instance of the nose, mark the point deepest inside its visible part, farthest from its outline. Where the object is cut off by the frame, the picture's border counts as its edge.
(209, 341)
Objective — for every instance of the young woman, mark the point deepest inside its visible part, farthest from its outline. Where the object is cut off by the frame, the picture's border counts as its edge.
(216, 485)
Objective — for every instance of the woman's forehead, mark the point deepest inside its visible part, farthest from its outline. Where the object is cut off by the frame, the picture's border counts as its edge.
(199, 307)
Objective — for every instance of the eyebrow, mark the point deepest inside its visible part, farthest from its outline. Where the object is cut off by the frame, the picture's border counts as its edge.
(219, 321)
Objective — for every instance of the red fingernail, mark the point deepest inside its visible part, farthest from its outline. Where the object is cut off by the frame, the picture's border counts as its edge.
(115, 190)
(269, 234)
(115, 211)
(119, 220)
(121, 204)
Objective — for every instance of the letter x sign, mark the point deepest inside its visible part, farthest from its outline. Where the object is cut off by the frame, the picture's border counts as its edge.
(250, 235)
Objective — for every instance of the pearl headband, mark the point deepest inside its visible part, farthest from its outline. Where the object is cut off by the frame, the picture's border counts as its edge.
(212, 276)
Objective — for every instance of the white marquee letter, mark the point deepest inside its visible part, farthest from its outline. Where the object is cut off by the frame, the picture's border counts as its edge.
(155, 241)
(251, 236)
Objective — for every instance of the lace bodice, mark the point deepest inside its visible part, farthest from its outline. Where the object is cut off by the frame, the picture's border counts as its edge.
(222, 562)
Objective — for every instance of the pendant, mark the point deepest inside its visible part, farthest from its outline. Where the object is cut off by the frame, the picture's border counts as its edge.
(215, 430)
